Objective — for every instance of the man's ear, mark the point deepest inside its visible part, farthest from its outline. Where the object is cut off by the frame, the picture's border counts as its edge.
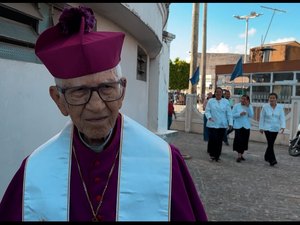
(58, 99)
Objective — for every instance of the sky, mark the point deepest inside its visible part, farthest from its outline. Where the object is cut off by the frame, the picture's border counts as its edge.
(225, 33)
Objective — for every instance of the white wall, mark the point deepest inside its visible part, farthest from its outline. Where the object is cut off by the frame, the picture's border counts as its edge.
(135, 104)
(146, 11)
(28, 115)
(158, 92)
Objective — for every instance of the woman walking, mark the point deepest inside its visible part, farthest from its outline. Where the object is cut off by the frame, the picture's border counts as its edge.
(271, 121)
(205, 129)
(242, 113)
(219, 118)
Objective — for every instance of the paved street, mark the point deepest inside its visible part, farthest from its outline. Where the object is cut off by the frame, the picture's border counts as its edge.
(248, 191)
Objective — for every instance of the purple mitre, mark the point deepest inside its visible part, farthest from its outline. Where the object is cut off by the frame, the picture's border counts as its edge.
(70, 49)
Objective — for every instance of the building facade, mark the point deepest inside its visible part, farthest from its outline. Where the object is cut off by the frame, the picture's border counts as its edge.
(272, 68)
(212, 60)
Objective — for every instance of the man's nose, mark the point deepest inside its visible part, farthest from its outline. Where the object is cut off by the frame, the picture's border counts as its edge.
(95, 101)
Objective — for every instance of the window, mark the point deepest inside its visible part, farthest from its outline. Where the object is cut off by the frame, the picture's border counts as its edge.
(241, 90)
(260, 93)
(19, 25)
(283, 76)
(298, 77)
(261, 77)
(223, 79)
(284, 93)
(298, 86)
(298, 90)
(242, 79)
(141, 65)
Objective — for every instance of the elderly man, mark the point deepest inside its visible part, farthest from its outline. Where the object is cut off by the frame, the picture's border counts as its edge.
(102, 166)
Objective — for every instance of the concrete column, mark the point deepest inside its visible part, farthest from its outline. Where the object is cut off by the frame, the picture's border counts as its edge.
(203, 55)
(194, 46)
(191, 101)
(158, 88)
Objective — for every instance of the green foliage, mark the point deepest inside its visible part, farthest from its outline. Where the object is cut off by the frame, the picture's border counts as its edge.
(179, 75)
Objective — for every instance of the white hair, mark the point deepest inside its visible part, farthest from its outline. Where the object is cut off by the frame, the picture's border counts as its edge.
(117, 69)
(58, 81)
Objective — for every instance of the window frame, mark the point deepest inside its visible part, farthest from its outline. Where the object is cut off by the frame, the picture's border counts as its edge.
(142, 62)
(20, 27)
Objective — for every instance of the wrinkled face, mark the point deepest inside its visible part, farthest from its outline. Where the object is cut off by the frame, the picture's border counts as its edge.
(95, 118)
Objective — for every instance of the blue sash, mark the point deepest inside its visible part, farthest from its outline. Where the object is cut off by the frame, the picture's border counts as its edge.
(144, 182)
(47, 179)
(144, 175)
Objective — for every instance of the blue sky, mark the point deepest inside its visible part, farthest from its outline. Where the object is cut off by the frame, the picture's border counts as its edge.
(226, 34)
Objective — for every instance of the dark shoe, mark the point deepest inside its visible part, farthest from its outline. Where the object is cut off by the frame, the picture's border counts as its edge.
(239, 159)
(243, 158)
(218, 159)
(226, 143)
(212, 159)
(273, 163)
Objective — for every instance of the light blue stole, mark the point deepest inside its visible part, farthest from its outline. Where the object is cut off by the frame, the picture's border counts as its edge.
(144, 171)
(144, 182)
(47, 179)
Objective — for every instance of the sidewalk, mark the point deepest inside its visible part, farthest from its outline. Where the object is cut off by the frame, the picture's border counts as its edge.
(248, 191)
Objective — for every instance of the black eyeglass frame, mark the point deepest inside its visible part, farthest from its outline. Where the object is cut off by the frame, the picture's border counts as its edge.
(121, 81)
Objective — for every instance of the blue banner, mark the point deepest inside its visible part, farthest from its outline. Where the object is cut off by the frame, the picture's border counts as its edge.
(195, 78)
(238, 70)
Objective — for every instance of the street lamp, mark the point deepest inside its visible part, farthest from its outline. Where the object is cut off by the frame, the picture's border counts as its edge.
(251, 16)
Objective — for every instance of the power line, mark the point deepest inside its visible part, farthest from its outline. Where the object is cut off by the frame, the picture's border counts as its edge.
(274, 10)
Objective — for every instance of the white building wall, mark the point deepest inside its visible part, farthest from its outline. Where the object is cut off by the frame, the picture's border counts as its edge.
(164, 87)
(28, 115)
(158, 92)
(146, 11)
(135, 104)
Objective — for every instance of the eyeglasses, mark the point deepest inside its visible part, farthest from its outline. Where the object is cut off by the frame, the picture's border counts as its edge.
(108, 92)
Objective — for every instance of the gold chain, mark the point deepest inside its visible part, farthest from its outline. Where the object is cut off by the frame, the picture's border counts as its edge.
(85, 188)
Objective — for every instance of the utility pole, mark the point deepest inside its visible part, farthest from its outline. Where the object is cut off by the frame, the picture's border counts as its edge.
(203, 54)
(194, 46)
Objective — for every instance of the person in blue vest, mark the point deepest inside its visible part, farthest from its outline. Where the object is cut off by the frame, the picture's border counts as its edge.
(227, 95)
(102, 166)
(205, 129)
(271, 122)
(219, 119)
(242, 113)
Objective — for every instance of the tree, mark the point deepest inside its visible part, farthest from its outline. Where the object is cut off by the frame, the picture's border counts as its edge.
(179, 75)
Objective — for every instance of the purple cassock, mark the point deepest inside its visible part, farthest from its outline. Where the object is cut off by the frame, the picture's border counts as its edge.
(185, 202)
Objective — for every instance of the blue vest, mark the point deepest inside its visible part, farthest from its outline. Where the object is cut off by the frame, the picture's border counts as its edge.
(143, 156)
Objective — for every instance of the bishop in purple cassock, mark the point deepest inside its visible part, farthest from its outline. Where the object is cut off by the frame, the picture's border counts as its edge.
(102, 166)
